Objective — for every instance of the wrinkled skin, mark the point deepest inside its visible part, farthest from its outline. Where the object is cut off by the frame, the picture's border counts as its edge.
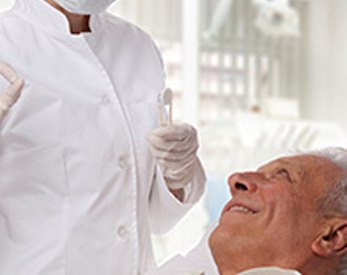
(273, 217)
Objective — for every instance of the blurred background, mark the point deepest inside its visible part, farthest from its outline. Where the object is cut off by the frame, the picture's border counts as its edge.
(258, 78)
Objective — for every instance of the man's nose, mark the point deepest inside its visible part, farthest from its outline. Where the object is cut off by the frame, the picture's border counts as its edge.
(243, 182)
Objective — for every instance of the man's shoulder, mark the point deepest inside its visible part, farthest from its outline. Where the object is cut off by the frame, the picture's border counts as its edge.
(9, 18)
(199, 260)
(13, 31)
(179, 265)
(124, 26)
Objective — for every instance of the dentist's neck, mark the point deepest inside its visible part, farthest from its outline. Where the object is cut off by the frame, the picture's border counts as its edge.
(78, 22)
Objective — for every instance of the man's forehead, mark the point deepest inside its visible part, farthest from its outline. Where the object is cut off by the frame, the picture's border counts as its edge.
(305, 162)
(286, 161)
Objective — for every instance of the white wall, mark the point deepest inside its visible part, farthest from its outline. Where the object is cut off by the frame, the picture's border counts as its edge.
(327, 62)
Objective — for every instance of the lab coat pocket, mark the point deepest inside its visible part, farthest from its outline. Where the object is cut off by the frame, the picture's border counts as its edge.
(32, 194)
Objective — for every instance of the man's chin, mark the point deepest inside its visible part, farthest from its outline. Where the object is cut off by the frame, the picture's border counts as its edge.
(223, 234)
(234, 232)
(234, 221)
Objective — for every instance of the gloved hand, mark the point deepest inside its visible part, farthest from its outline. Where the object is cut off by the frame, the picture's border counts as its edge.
(9, 96)
(175, 147)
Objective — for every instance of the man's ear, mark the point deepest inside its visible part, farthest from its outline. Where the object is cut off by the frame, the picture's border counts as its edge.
(332, 241)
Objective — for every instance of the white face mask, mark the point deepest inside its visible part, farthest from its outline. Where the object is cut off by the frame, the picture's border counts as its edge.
(85, 6)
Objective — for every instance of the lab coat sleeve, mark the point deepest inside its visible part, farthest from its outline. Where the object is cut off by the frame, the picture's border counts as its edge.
(166, 210)
(194, 190)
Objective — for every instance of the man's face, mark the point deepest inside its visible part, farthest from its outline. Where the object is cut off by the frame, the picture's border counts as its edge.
(273, 213)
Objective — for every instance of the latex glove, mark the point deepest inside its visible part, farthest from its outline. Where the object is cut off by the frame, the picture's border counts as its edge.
(175, 147)
(9, 96)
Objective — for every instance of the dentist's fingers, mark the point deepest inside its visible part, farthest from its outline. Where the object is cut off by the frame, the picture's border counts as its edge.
(10, 95)
(174, 147)
(7, 72)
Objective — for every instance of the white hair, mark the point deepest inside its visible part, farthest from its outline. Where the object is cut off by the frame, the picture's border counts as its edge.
(335, 201)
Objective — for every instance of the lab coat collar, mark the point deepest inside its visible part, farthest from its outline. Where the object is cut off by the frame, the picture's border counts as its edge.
(46, 17)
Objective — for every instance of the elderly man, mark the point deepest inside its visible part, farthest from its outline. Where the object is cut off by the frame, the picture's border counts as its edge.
(291, 213)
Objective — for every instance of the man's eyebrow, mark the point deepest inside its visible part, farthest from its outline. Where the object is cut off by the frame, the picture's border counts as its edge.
(270, 164)
(279, 162)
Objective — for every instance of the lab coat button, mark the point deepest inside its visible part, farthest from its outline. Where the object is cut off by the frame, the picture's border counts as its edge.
(105, 100)
(121, 162)
(122, 232)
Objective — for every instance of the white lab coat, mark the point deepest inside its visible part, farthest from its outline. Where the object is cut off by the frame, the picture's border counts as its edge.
(79, 191)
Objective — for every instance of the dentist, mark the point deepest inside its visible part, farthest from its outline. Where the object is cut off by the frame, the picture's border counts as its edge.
(82, 186)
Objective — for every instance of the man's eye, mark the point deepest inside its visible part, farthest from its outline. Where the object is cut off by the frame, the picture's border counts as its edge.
(284, 173)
